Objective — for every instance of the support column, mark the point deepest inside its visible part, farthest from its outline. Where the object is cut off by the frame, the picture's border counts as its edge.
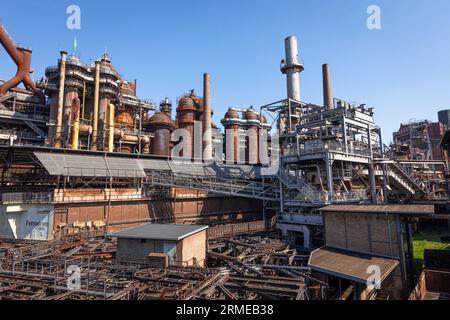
(329, 169)
(373, 184)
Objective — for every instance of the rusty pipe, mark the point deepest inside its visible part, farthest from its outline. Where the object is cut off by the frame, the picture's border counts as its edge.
(96, 102)
(76, 105)
(207, 135)
(327, 94)
(59, 118)
(22, 59)
(9, 45)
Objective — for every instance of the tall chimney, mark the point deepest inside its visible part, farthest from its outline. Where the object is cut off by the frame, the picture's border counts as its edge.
(59, 118)
(292, 68)
(96, 102)
(327, 91)
(207, 117)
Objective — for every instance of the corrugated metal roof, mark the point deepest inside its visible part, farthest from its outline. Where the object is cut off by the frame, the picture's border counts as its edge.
(407, 209)
(172, 232)
(350, 265)
(90, 165)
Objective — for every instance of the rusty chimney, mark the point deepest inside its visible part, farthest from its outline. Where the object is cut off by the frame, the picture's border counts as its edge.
(207, 152)
(327, 90)
(59, 118)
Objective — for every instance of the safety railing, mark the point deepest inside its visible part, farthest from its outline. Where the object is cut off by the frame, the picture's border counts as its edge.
(27, 197)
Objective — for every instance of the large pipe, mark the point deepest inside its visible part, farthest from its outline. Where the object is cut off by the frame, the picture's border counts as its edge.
(59, 118)
(76, 123)
(103, 121)
(111, 128)
(292, 68)
(70, 96)
(327, 90)
(207, 121)
(22, 59)
(96, 102)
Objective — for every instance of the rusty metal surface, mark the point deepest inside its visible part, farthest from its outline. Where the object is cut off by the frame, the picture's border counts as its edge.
(22, 59)
(39, 272)
(327, 88)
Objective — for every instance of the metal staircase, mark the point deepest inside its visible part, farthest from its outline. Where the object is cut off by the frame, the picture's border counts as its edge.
(35, 128)
(408, 181)
(293, 182)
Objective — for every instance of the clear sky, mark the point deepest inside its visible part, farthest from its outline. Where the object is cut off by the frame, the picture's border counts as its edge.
(403, 70)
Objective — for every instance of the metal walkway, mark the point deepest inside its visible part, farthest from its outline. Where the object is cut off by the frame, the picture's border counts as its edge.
(252, 189)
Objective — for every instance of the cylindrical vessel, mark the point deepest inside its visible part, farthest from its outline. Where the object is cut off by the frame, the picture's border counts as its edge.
(186, 113)
(444, 117)
(252, 139)
(232, 125)
(162, 127)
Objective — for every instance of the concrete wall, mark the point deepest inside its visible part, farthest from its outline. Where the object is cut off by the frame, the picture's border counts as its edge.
(194, 247)
(370, 233)
(138, 250)
(26, 222)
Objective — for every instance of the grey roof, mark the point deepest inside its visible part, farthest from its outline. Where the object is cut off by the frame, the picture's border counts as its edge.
(349, 265)
(173, 232)
(90, 165)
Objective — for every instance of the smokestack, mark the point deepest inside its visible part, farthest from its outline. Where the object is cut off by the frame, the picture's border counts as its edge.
(327, 90)
(292, 68)
(76, 123)
(207, 117)
(62, 80)
(96, 102)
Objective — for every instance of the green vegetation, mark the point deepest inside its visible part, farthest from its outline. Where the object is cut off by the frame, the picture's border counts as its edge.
(428, 239)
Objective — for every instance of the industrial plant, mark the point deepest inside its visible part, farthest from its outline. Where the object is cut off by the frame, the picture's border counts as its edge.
(106, 195)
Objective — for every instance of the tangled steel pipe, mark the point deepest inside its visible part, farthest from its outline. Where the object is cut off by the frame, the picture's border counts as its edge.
(22, 58)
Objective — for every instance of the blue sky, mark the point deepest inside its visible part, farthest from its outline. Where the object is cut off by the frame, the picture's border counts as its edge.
(403, 70)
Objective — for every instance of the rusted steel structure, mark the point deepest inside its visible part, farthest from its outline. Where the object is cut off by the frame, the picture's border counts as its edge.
(22, 59)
